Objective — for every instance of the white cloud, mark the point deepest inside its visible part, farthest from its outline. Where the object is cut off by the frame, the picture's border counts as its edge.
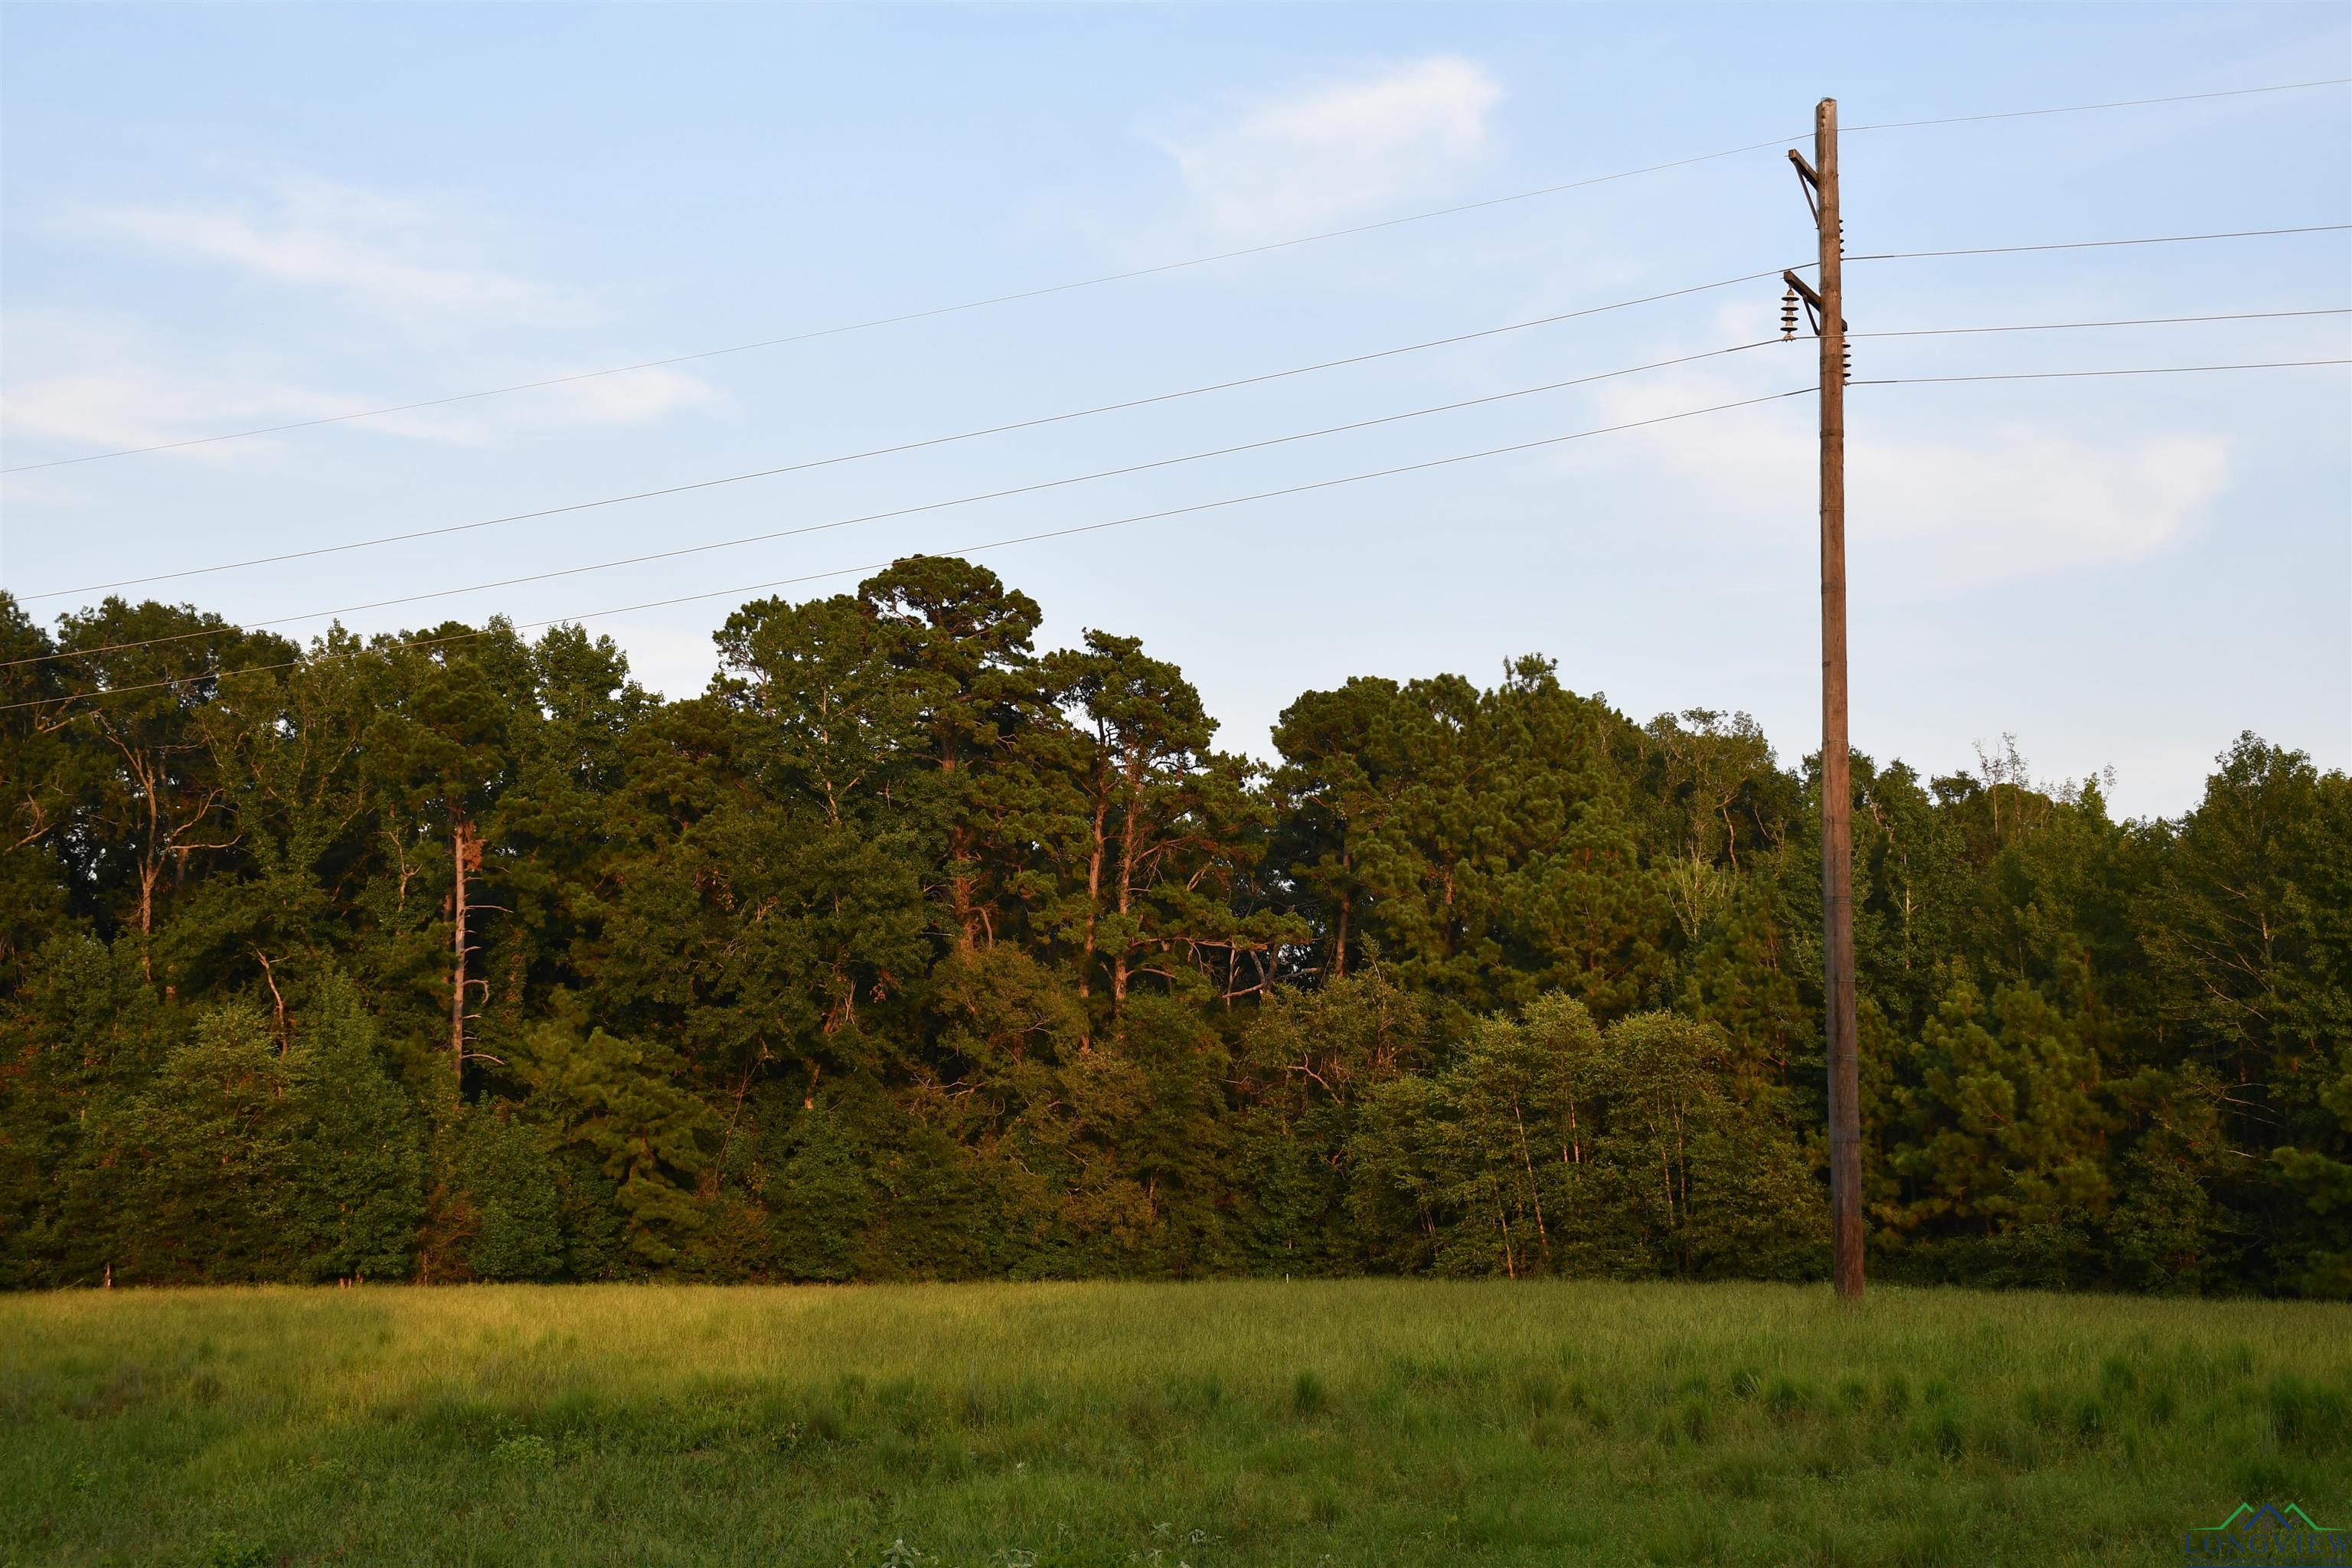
(90, 383)
(673, 662)
(1337, 152)
(1994, 502)
(385, 269)
(633, 398)
(394, 253)
(2017, 501)
(78, 383)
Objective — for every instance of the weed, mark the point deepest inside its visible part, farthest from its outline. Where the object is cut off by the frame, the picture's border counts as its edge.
(225, 1550)
(1787, 1399)
(522, 1451)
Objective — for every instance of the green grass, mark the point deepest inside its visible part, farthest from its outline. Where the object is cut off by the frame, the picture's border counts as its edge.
(1208, 1424)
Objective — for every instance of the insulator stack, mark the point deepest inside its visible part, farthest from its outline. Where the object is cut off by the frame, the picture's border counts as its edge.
(1789, 315)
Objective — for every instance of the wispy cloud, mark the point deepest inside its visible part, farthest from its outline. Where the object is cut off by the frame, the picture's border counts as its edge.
(631, 399)
(1992, 501)
(383, 271)
(1338, 151)
(78, 383)
(88, 383)
(396, 254)
(2015, 501)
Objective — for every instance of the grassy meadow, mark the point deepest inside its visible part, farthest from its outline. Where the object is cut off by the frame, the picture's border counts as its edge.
(1043, 1424)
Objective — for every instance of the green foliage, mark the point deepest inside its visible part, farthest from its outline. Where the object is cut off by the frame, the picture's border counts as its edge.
(1550, 1146)
(2009, 1113)
(818, 1195)
(2323, 1181)
(359, 1146)
(1308, 1060)
(620, 1102)
(517, 1208)
(203, 1162)
(909, 951)
(86, 1035)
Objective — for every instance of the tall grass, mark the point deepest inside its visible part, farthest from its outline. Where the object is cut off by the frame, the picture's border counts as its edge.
(1341, 1424)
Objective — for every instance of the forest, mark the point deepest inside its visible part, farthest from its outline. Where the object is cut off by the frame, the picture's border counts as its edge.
(909, 951)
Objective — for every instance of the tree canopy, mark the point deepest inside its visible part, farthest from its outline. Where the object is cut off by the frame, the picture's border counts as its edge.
(910, 951)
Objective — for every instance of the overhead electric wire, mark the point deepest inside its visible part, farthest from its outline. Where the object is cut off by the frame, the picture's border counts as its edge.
(1082, 528)
(1130, 274)
(2101, 244)
(64, 654)
(961, 549)
(905, 316)
(899, 446)
(908, 510)
(2087, 108)
(2122, 322)
(2073, 375)
(1190, 392)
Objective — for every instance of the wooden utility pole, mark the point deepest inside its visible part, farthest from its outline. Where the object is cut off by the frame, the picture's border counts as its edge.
(1821, 181)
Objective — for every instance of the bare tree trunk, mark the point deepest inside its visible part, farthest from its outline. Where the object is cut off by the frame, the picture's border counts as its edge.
(960, 860)
(465, 855)
(1094, 890)
(270, 974)
(1340, 943)
(1127, 878)
(959, 884)
(1535, 1194)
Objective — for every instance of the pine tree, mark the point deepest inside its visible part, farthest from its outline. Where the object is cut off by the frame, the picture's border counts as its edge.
(359, 1152)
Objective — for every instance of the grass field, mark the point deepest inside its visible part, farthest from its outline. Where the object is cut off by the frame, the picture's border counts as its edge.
(1341, 1424)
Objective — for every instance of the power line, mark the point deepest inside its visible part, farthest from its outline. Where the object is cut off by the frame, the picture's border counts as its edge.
(1161, 397)
(2126, 322)
(900, 446)
(1050, 484)
(964, 550)
(904, 316)
(1095, 527)
(2087, 108)
(2103, 244)
(2072, 375)
(1121, 277)
(909, 510)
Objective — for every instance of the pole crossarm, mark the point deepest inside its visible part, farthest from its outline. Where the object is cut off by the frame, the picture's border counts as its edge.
(1809, 182)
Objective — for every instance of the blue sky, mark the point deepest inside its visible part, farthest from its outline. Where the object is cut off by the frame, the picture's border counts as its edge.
(218, 217)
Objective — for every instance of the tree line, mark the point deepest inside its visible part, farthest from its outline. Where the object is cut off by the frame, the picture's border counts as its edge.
(909, 951)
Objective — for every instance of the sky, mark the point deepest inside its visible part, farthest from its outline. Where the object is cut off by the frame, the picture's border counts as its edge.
(213, 218)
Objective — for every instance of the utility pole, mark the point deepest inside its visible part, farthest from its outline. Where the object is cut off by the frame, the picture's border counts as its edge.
(1819, 179)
